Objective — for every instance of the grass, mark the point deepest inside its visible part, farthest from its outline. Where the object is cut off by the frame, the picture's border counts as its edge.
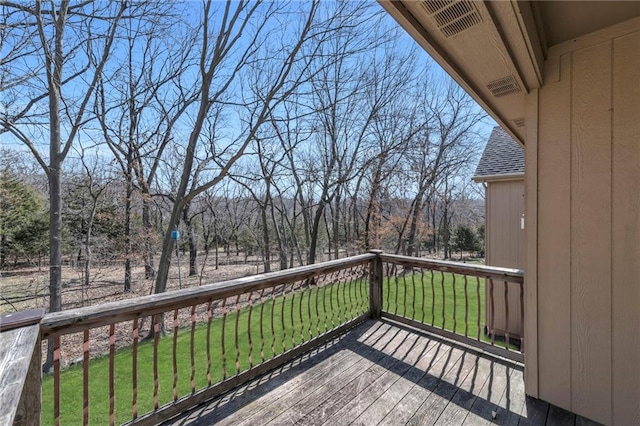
(408, 295)
(411, 295)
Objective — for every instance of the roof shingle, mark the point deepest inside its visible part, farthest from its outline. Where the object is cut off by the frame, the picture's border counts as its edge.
(501, 156)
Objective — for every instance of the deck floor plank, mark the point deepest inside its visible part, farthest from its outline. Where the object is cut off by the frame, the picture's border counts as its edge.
(383, 373)
(275, 403)
(424, 388)
(512, 403)
(534, 412)
(430, 410)
(557, 416)
(396, 392)
(336, 401)
(488, 401)
(379, 361)
(458, 407)
(398, 366)
(261, 392)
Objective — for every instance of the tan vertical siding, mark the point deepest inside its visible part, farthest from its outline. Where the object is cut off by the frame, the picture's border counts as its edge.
(554, 243)
(531, 249)
(591, 232)
(626, 230)
(505, 247)
(588, 231)
(505, 206)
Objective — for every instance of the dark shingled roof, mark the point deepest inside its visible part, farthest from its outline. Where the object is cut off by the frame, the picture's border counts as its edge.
(501, 156)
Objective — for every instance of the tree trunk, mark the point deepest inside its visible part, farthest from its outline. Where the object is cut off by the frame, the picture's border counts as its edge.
(413, 227)
(265, 237)
(313, 243)
(127, 226)
(149, 271)
(55, 235)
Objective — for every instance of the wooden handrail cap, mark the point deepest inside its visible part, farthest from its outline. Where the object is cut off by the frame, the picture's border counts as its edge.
(20, 319)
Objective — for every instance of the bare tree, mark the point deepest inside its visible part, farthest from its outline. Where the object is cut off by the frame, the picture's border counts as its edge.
(137, 108)
(55, 60)
(222, 57)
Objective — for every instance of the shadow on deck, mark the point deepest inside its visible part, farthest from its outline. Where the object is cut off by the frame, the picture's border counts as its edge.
(388, 374)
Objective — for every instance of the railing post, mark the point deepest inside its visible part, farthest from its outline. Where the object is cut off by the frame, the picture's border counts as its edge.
(375, 284)
(22, 359)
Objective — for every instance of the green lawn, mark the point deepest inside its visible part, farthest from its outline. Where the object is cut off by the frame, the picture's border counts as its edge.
(333, 307)
(411, 296)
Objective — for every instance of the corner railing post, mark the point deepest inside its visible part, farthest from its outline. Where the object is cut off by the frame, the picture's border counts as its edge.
(375, 284)
(22, 358)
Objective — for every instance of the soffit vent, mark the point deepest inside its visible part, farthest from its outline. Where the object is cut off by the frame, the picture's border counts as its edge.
(503, 86)
(519, 122)
(452, 16)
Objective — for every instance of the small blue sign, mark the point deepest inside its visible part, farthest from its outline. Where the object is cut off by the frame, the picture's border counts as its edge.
(175, 235)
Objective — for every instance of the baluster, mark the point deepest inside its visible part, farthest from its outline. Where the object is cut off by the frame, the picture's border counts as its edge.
(338, 304)
(302, 290)
(352, 294)
(331, 298)
(282, 320)
(466, 307)
(493, 312)
(310, 290)
(293, 323)
(236, 334)
(317, 283)
(174, 353)
(433, 299)
(156, 337)
(424, 307)
(363, 303)
(249, 330)
(134, 369)
(193, 353)
(506, 315)
(395, 280)
(273, 329)
(455, 303)
(388, 275)
(208, 341)
(521, 285)
(222, 339)
(262, 303)
(112, 382)
(85, 377)
(413, 299)
(479, 306)
(444, 320)
(56, 379)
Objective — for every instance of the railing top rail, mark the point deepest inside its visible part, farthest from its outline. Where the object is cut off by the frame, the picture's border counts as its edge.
(74, 320)
(20, 319)
(482, 271)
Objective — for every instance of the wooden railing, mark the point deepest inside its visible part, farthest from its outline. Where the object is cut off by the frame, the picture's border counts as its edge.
(170, 352)
(20, 368)
(147, 359)
(478, 305)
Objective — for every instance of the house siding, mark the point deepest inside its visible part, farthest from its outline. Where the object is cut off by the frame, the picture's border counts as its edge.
(505, 246)
(587, 260)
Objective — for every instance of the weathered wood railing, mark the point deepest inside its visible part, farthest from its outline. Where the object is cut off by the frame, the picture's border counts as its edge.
(147, 359)
(198, 342)
(474, 304)
(20, 375)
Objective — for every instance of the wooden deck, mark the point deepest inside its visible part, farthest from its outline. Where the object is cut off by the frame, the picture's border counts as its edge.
(386, 374)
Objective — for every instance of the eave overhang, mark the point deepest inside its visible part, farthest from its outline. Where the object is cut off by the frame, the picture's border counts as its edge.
(496, 50)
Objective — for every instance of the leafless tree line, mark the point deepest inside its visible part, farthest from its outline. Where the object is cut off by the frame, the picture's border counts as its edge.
(281, 127)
